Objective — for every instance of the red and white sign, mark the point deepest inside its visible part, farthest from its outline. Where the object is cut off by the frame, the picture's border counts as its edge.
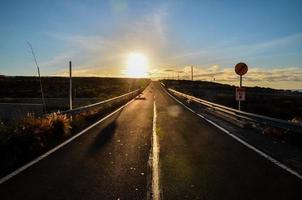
(241, 69)
(240, 94)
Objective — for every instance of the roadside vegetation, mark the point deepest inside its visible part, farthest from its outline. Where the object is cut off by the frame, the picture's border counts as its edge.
(86, 90)
(31, 136)
(25, 139)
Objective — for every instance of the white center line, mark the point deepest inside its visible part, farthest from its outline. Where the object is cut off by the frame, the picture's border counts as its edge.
(155, 159)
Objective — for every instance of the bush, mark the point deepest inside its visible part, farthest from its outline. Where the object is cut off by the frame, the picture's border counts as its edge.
(32, 133)
(78, 122)
(90, 114)
(35, 125)
(59, 124)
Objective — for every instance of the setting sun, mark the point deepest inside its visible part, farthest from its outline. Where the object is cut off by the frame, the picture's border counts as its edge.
(137, 65)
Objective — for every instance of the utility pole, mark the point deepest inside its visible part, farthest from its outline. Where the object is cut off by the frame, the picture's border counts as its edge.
(70, 85)
(192, 73)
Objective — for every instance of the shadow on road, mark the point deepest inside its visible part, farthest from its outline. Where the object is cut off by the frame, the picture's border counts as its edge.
(103, 137)
(140, 98)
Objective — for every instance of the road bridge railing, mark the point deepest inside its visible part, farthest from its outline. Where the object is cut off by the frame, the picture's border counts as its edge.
(103, 105)
(244, 117)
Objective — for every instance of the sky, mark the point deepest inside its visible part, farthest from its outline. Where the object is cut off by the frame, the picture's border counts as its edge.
(212, 35)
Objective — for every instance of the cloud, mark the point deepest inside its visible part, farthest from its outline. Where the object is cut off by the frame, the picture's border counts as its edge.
(90, 72)
(146, 34)
(275, 43)
(58, 60)
(227, 51)
(255, 76)
(105, 55)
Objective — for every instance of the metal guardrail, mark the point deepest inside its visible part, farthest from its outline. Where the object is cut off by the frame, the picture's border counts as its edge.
(241, 115)
(107, 103)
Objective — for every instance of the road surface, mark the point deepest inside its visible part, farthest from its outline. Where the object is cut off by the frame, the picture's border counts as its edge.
(114, 160)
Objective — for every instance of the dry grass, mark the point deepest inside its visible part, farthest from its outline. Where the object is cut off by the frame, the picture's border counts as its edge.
(30, 137)
(59, 124)
(78, 122)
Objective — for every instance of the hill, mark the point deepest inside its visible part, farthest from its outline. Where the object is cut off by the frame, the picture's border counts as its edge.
(55, 87)
(86, 90)
(282, 104)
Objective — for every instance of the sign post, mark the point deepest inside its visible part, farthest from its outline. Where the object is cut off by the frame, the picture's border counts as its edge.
(240, 94)
(70, 85)
(240, 69)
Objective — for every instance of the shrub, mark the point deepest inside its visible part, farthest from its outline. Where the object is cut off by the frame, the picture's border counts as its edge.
(78, 122)
(32, 133)
(59, 124)
(35, 125)
(90, 114)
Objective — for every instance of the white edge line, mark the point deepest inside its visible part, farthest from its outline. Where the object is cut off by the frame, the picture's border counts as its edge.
(24, 167)
(155, 158)
(271, 159)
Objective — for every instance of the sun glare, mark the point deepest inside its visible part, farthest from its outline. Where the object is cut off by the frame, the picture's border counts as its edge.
(137, 65)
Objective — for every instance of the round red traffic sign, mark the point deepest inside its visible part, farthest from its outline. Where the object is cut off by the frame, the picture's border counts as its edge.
(241, 69)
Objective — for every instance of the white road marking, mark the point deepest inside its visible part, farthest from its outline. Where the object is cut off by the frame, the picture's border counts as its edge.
(155, 159)
(266, 156)
(24, 167)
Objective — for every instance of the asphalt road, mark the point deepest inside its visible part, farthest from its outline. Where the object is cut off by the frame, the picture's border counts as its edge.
(112, 161)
